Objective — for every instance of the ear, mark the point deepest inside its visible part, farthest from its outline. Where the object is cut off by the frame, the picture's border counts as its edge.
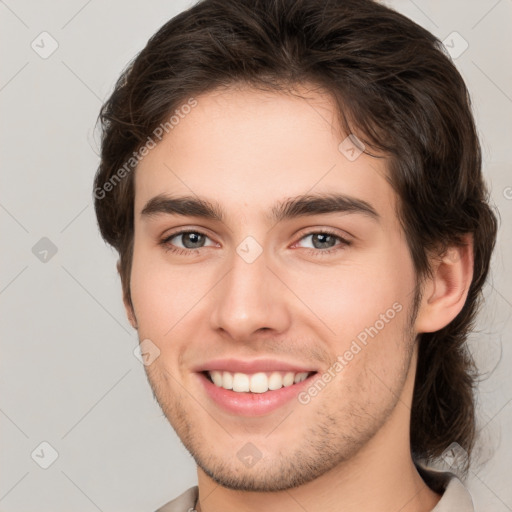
(127, 303)
(444, 295)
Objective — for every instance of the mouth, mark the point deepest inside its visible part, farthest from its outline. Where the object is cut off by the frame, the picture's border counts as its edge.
(254, 394)
(260, 382)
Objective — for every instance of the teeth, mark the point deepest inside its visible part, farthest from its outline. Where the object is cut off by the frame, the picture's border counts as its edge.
(288, 379)
(240, 382)
(227, 381)
(299, 377)
(217, 378)
(257, 382)
(275, 381)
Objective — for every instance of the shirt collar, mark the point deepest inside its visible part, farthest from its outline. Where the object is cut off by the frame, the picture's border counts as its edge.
(454, 495)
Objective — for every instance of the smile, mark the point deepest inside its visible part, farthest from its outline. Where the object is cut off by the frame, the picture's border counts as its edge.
(254, 388)
(260, 382)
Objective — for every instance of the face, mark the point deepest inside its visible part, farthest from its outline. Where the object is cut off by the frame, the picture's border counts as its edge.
(285, 279)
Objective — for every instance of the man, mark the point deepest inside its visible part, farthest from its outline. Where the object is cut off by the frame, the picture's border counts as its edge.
(295, 192)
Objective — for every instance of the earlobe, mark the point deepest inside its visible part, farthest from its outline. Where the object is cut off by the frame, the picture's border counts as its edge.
(130, 314)
(446, 291)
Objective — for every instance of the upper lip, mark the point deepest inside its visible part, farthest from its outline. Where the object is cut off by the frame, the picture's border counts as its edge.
(252, 366)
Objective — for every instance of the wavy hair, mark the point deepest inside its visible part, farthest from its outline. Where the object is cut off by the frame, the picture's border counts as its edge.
(394, 87)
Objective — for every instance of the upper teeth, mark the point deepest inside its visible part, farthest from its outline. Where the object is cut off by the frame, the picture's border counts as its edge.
(257, 382)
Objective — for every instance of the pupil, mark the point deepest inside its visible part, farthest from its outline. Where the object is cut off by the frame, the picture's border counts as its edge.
(192, 240)
(323, 240)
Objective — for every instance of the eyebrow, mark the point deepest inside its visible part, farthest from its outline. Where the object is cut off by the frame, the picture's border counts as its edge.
(300, 206)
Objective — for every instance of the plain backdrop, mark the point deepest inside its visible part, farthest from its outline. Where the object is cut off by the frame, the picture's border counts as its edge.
(69, 377)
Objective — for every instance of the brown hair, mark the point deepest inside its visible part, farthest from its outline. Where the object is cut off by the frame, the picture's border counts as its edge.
(395, 88)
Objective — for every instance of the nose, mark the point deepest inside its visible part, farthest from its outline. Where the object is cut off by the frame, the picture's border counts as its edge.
(249, 300)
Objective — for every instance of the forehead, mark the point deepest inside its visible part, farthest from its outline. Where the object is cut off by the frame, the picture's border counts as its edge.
(250, 149)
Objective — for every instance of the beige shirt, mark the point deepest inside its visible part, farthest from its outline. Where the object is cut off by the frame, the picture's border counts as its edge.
(455, 497)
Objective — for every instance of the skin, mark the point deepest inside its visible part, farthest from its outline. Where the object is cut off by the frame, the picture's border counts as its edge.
(348, 449)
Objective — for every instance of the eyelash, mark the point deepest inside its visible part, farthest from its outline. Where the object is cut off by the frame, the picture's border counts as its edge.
(192, 252)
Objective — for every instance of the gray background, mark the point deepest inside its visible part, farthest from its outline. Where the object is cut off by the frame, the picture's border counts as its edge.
(68, 373)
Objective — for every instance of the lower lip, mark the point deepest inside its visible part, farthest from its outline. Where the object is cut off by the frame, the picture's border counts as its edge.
(252, 404)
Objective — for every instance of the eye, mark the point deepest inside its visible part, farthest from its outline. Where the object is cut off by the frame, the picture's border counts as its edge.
(188, 242)
(323, 242)
(184, 242)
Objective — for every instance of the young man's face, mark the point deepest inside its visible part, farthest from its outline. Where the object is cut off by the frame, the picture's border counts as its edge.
(297, 307)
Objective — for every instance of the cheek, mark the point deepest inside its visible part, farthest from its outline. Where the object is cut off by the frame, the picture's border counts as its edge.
(344, 298)
(166, 297)
(155, 293)
(352, 296)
